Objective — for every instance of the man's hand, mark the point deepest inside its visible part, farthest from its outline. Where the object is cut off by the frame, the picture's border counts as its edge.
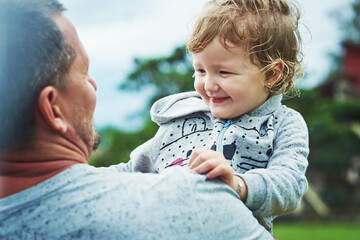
(213, 164)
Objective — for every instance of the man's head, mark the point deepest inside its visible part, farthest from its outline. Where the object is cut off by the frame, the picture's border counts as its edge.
(39, 62)
(74, 109)
(266, 29)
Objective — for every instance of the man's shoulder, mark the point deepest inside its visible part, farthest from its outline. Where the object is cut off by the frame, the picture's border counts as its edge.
(87, 183)
(84, 202)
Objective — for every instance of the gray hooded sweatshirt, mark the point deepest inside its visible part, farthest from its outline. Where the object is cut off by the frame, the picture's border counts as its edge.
(267, 147)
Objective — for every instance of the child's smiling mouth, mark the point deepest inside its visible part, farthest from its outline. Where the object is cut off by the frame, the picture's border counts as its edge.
(218, 99)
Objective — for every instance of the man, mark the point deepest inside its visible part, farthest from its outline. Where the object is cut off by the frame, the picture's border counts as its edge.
(47, 189)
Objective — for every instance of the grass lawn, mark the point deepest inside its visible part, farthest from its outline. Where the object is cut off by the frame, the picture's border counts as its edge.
(317, 231)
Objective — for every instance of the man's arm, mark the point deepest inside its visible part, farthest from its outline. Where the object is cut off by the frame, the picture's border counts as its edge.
(222, 214)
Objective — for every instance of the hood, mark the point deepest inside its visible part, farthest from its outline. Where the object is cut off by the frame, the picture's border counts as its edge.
(177, 105)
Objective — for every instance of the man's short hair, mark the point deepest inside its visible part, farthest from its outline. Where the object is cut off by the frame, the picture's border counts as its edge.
(33, 54)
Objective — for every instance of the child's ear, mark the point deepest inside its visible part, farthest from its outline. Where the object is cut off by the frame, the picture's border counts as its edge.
(275, 73)
(48, 104)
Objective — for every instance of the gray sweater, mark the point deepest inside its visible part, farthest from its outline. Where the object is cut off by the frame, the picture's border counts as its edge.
(267, 147)
(88, 203)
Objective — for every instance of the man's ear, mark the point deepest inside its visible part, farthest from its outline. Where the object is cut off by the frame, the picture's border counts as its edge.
(275, 73)
(48, 104)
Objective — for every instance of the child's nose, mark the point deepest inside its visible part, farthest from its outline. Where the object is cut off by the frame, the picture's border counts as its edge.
(211, 84)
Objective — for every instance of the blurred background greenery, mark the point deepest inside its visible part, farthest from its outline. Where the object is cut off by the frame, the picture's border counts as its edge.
(331, 110)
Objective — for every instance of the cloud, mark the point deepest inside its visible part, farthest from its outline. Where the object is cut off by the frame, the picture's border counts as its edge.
(102, 12)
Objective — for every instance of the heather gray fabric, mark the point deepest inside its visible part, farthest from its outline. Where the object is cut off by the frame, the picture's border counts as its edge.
(84, 202)
(267, 147)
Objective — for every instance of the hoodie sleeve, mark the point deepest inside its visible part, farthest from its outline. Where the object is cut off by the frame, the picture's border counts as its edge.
(278, 189)
(121, 167)
(140, 160)
(143, 158)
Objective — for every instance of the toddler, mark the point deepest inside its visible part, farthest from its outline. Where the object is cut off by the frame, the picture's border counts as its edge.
(246, 55)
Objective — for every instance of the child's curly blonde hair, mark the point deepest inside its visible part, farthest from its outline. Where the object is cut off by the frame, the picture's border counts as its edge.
(268, 29)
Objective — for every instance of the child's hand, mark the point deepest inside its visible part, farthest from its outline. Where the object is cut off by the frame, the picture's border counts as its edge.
(213, 164)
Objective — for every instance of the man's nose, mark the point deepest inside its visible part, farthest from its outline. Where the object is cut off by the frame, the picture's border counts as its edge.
(92, 81)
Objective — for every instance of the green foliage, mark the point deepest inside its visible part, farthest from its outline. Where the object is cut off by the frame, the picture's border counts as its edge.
(116, 145)
(318, 231)
(166, 75)
(333, 143)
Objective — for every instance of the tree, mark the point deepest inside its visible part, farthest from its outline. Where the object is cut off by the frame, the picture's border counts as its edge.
(165, 75)
(333, 145)
(116, 145)
(333, 140)
(350, 26)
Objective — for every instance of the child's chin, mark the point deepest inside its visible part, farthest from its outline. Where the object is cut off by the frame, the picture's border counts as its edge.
(219, 115)
(225, 116)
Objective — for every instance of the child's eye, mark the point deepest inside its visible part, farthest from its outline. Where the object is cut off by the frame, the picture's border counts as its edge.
(199, 71)
(225, 72)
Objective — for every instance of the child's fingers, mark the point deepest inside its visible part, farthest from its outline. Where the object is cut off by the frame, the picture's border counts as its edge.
(192, 158)
(197, 157)
(223, 173)
(206, 166)
(202, 166)
(219, 170)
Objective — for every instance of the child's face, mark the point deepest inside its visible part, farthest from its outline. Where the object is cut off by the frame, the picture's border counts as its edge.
(228, 82)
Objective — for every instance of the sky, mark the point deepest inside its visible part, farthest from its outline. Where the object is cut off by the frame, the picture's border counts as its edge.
(114, 32)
